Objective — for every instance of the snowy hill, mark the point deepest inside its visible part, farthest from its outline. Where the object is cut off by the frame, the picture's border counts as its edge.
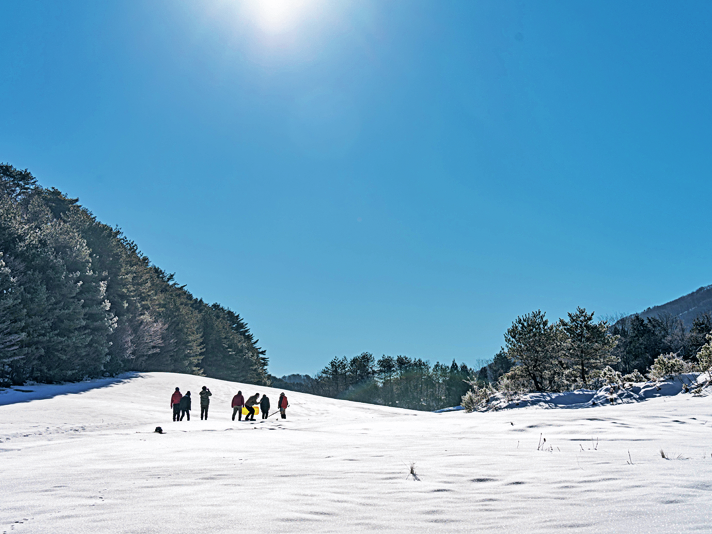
(84, 459)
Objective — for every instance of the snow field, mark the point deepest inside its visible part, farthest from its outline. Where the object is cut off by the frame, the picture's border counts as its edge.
(88, 461)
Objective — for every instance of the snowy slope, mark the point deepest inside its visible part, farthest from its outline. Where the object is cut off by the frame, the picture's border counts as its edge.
(87, 461)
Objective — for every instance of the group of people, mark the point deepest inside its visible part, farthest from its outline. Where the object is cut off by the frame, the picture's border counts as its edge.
(181, 405)
(238, 402)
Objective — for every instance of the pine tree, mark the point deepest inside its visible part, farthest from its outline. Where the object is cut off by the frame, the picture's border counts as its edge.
(704, 355)
(697, 338)
(640, 342)
(386, 370)
(588, 345)
(81, 300)
(11, 323)
(75, 344)
(500, 365)
(533, 344)
(14, 183)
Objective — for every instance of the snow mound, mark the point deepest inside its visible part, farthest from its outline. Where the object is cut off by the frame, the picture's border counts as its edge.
(691, 383)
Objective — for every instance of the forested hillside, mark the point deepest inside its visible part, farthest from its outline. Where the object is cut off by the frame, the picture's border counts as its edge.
(687, 308)
(78, 299)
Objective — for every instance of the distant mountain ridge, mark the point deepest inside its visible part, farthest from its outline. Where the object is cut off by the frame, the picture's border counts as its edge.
(686, 308)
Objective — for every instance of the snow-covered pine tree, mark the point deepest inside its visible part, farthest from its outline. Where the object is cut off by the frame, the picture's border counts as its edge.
(11, 322)
(587, 345)
(704, 355)
(533, 344)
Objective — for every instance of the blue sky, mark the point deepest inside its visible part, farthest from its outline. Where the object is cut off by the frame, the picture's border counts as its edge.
(398, 177)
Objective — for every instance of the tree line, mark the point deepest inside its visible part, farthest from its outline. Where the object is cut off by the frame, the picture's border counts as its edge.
(642, 340)
(539, 355)
(391, 381)
(579, 352)
(79, 300)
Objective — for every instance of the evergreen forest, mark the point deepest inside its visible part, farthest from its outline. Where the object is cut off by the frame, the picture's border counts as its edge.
(391, 381)
(539, 355)
(79, 300)
(580, 352)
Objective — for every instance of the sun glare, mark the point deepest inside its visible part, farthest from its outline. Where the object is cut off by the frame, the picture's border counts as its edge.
(276, 16)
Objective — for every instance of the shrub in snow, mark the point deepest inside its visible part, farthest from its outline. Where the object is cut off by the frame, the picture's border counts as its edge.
(413, 473)
(565, 380)
(610, 376)
(666, 366)
(514, 383)
(477, 397)
(704, 356)
(570, 380)
(635, 376)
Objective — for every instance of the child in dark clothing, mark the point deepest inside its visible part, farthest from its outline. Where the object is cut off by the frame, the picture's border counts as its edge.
(264, 406)
(185, 406)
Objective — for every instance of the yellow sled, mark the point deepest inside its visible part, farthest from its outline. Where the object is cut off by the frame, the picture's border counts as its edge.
(255, 408)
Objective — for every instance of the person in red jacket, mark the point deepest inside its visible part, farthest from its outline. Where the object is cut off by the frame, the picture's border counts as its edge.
(175, 404)
(238, 401)
(282, 404)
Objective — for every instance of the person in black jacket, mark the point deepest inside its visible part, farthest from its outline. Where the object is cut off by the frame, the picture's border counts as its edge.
(264, 406)
(185, 406)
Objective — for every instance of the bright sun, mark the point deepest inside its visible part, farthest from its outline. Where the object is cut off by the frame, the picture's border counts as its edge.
(275, 16)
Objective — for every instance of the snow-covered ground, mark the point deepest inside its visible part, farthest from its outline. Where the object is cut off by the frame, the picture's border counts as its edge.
(697, 383)
(84, 459)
